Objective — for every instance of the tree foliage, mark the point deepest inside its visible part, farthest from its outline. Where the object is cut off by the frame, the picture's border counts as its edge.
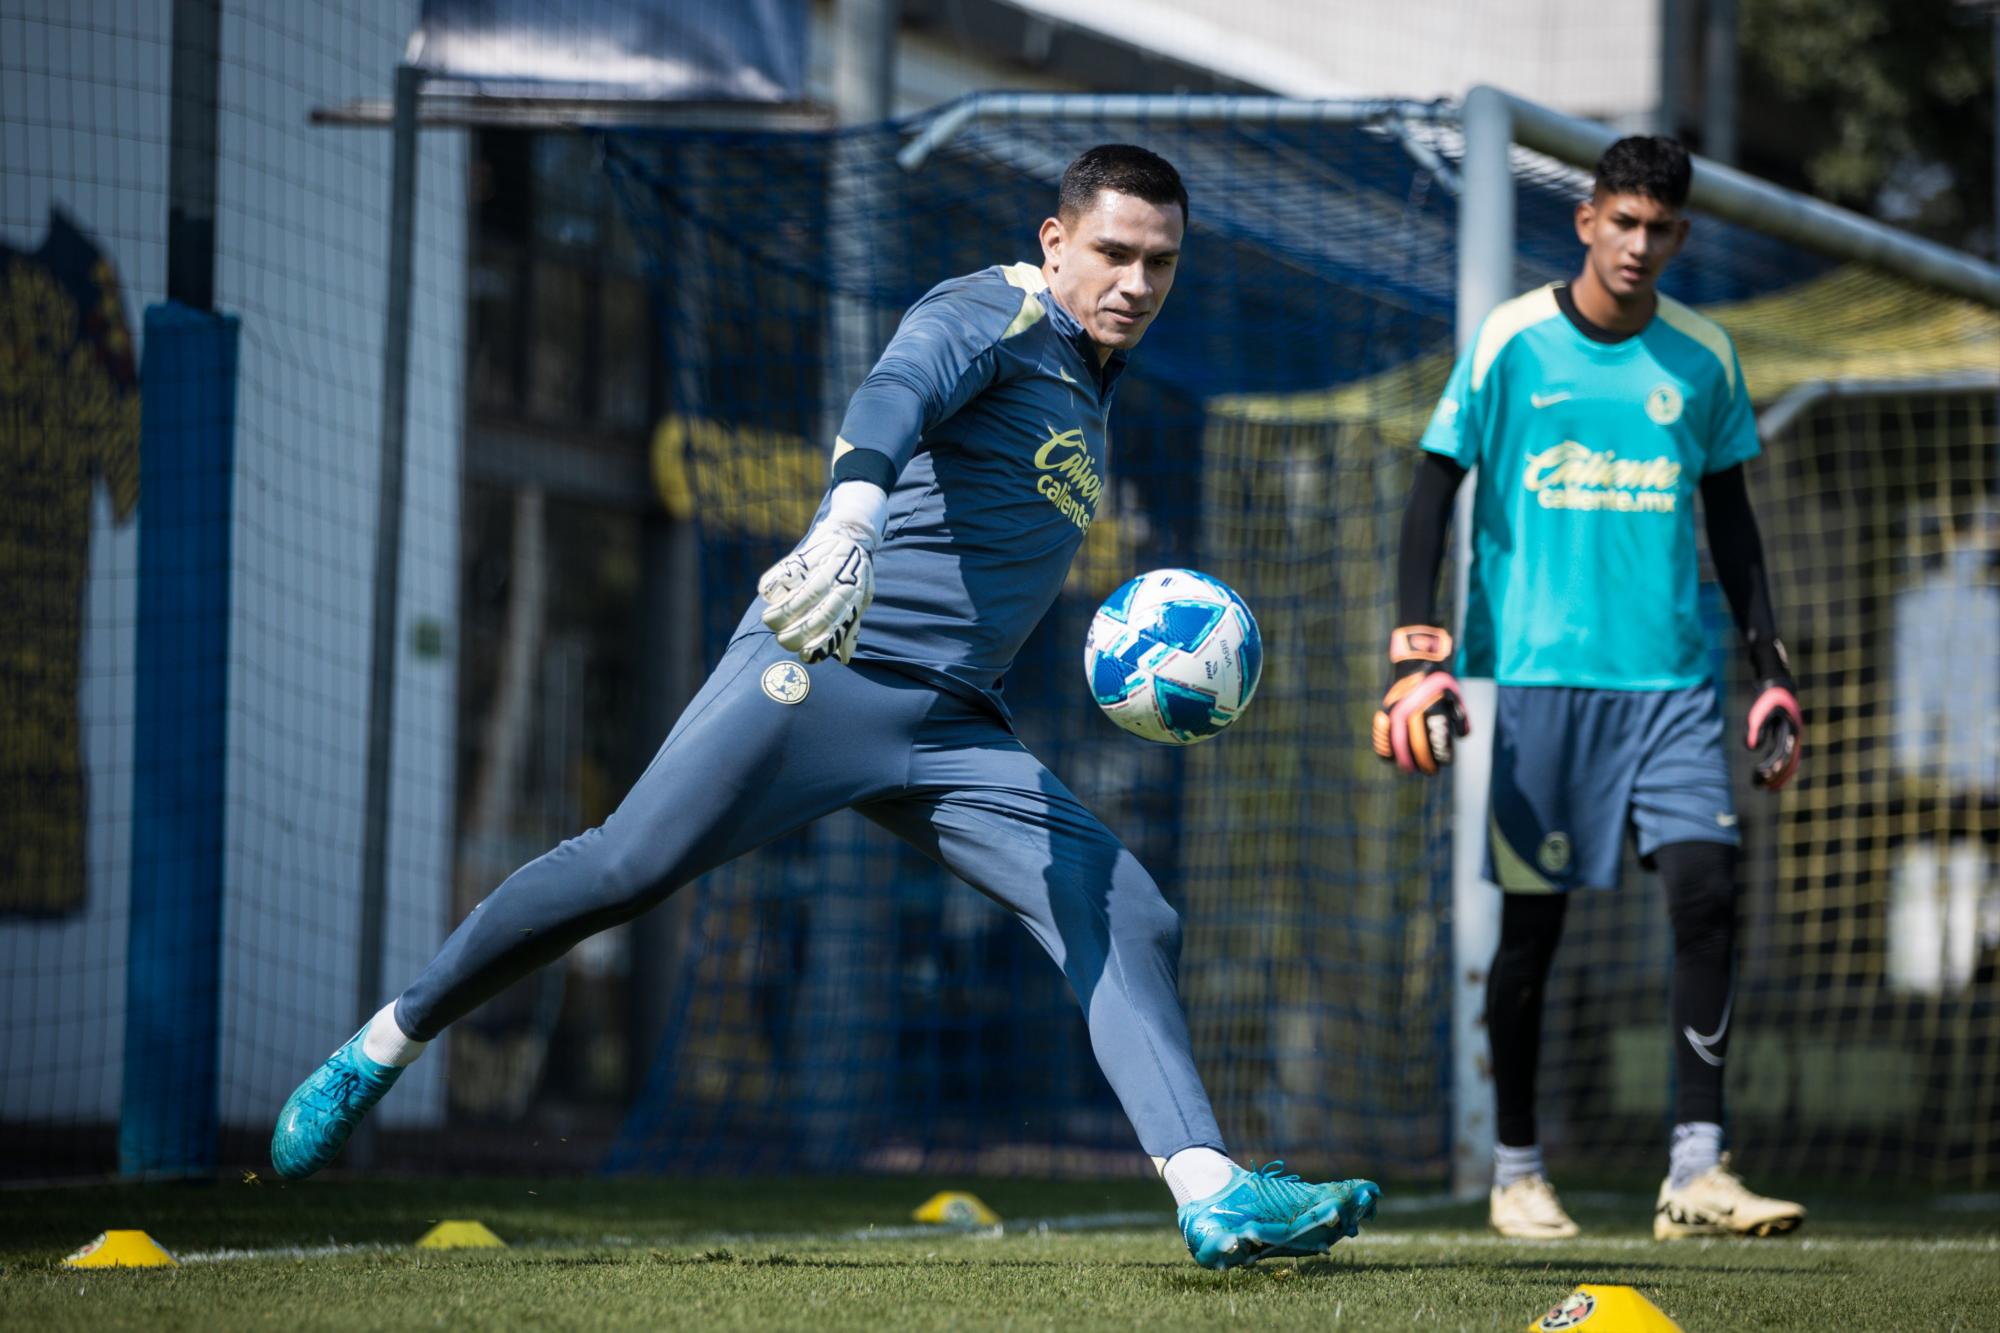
(1884, 105)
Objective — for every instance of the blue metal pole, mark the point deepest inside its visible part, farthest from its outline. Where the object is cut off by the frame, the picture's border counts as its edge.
(173, 968)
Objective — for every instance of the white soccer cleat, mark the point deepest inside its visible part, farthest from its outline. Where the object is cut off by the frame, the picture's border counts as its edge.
(1528, 1209)
(1717, 1203)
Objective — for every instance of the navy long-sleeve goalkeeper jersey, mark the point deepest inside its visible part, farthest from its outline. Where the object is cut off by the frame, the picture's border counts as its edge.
(992, 411)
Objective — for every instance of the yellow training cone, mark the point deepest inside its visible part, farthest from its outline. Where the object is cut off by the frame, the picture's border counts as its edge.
(956, 1208)
(121, 1249)
(1597, 1309)
(460, 1235)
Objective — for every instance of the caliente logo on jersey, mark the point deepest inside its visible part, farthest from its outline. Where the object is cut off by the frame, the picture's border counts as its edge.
(1068, 479)
(1575, 476)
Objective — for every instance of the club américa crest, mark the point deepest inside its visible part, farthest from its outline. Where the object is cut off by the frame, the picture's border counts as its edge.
(787, 682)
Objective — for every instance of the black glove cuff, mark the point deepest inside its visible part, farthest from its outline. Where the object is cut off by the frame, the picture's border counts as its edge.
(1769, 662)
(865, 465)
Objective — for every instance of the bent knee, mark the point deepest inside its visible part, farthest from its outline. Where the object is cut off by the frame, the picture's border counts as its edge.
(613, 872)
(1704, 919)
(1148, 922)
(1700, 882)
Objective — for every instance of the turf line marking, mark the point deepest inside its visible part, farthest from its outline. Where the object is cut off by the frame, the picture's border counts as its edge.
(1430, 1203)
(1479, 1240)
(1021, 1226)
(1141, 1224)
(287, 1252)
(1025, 1226)
(1438, 1202)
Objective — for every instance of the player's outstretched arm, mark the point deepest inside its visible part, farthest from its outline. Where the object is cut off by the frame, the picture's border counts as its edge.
(1776, 726)
(1424, 712)
(817, 595)
(940, 358)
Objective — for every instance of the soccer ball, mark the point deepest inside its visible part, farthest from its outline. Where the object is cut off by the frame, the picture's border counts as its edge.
(1173, 656)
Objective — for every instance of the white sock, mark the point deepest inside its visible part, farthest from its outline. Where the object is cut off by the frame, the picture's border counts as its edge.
(1512, 1164)
(1195, 1173)
(384, 1042)
(1697, 1145)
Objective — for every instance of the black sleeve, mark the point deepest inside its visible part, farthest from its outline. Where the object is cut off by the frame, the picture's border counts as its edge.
(1738, 553)
(1425, 521)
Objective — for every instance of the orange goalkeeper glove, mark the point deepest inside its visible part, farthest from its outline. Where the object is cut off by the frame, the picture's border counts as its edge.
(1423, 713)
(1776, 732)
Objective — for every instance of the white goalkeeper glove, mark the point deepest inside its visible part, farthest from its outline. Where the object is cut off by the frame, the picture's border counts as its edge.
(817, 595)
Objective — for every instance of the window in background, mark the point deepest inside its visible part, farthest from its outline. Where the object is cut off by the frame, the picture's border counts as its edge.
(562, 331)
(563, 390)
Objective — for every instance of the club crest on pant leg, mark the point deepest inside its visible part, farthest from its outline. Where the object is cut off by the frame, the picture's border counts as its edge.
(787, 682)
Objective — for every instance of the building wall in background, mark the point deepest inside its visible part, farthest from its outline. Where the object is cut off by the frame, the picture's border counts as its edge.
(932, 67)
(301, 252)
(83, 128)
(1580, 56)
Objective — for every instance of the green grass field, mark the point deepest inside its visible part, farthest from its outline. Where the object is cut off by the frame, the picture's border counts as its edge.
(827, 1254)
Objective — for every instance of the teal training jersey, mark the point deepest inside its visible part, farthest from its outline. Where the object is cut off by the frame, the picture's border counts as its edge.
(1589, 458)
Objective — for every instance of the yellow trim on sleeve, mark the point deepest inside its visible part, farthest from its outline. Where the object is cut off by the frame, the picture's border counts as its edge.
(1026, 276)
(1509, 318)
(1704, 331)
(1031, 282)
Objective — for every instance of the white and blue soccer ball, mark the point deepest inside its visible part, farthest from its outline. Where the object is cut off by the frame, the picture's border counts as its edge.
(1173, 656)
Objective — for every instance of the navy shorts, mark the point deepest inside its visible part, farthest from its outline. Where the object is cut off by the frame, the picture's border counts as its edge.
(1573, 769)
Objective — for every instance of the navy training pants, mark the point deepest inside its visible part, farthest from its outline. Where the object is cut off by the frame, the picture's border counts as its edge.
(768, 746)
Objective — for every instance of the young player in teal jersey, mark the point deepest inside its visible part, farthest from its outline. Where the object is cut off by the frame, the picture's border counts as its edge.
(968, 467)
(1594, 411)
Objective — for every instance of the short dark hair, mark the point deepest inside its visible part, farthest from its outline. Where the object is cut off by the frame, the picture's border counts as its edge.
(1125, 169)
(1648, 164)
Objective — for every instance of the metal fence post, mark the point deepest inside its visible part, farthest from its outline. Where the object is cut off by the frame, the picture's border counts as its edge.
(388, 555)
(1485, 278)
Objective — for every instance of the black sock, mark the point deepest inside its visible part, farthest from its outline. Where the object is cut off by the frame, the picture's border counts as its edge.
(1530, 926)
(1700, 882)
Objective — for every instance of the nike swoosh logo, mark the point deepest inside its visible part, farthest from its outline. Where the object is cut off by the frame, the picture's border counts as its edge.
(1067, 377)
(1725, 821)
(1704, 1046)
(1550, 399)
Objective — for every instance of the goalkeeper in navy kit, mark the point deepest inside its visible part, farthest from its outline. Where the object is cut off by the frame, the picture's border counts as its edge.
(866, 675)
(1595, 411)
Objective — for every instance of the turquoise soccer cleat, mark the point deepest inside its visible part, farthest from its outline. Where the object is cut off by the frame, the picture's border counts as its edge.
(317, 1118)
(1264, 1215)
